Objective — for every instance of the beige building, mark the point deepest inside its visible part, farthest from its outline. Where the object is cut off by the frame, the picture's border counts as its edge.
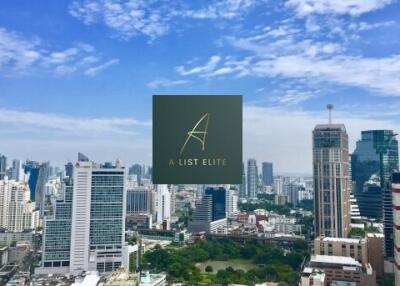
(339, 269)
(347, 247)
(376, 251)
(331, 180)
(368, 250)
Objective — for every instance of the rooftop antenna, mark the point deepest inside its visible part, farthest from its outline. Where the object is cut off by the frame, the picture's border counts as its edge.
(329, 106)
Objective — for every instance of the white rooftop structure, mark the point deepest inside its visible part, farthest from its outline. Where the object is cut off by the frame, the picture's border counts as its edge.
(330, 259)
(341, 239)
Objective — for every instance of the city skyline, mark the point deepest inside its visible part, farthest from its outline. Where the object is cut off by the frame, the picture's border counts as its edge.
(80, 54)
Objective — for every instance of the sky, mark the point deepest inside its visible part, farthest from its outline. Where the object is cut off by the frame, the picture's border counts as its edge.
(80, 75)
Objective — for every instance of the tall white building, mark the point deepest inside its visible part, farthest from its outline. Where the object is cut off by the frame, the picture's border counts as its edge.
(17, 213)
(163, 203)
(331, 180)
(278, 185)
(252, 178)
(232, 198)
(98, 217)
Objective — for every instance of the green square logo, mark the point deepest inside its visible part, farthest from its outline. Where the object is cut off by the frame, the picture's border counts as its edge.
(197, 139)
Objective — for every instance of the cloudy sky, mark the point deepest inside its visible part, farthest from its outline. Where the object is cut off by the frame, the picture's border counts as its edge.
(79, 75)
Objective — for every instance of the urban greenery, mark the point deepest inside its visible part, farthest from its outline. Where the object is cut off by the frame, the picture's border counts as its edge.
(274, 263)
(358, 232)
(279, 209)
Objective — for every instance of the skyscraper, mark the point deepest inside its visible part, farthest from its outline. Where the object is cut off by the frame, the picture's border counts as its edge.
(17, 213)
(57, 233)
(210, 213)
(3, 166)
(40, 190)
(252, 178)
(218, 196)
(163, 203)
(98, 217)
(69, 167)
(86, 230)
(32, 170)
(17, 171)
(242, 187)
(331, 180)
(267, 173)
(373, 161)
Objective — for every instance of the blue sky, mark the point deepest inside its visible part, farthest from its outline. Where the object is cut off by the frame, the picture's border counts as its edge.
(79, 75)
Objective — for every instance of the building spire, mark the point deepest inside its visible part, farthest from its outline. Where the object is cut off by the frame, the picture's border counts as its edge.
(329, 106)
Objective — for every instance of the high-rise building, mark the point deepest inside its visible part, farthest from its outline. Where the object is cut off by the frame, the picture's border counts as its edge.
(396, 224)
(218, 196)
(252, 178)
(40, 191)
(87, 230)
(69, 167)
(232, 199)
(32, 170)
(210, 213)
(17, 171)
(137, 170)
(267, 173)
(331, 180)
(242, 187)
(3, 166)
(98, 217)
(139, 200)
(57, 233)
(17, 213)
(373, 160)
(163, 203)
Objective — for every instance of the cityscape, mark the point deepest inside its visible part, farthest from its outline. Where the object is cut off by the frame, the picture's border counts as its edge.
(307, 148)
(90, 223)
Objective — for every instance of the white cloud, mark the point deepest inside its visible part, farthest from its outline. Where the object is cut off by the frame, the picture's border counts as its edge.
(225, 9)
(19, 55)
(289, 58)
(208, 67)
(45, 122)
(364, 26)
(350, 7)
(162, 82)
(294, 96)
(266, 128)
(152, 18)
(128, 18)
(92, 71)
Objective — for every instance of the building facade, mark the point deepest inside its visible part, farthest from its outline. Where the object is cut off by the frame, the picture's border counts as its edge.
(86, 231)
(267, 173)
(331, 180)
(252, 178)
(372, 162)
(396, 224)
(17, 213)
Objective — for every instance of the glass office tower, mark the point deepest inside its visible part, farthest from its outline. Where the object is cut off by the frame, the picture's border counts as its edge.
(373, 161)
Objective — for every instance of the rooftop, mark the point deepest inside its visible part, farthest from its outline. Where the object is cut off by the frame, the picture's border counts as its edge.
(330, 259)
(340, 239)
(330, 126)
